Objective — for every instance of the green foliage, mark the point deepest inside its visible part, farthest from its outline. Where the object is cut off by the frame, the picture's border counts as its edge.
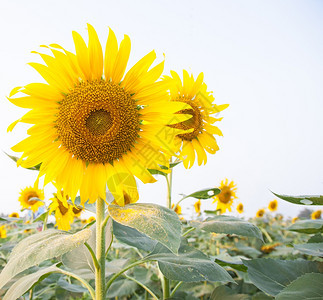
(307, 226)
(204, 194)
(302, 200)
(157, 222)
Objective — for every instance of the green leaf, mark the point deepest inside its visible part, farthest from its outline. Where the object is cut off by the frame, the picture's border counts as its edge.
(39, 247)
(309, 287)
(314, 249)
(74, 288)
(307, 226)
(15, 159)
(302, 200)
(317, 238)
(41, 217)
(157, 222)
(87, 206)
(205, 194)
(190, 265)
(272, 276)
(133, 237)
(228, 225)
(224, 293)
(23, 284)
(156, 172)
(234, 262)
(122, 287)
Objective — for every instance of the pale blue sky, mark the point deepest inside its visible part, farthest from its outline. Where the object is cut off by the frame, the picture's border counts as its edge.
(264, 58)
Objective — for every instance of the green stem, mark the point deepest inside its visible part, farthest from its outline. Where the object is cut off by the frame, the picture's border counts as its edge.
(166, 288)
(267, 235)
(188, 231)
(142, 285)
(100, 251)
(45, 221)
(115, 276)
(95, 261)
(176, 288)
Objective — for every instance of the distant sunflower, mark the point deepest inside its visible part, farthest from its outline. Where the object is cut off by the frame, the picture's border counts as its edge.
(94, 125)
(64, 214)
(178, 209)
(30, 198)
(273, 205)
(295, 219)
(200, 131)
(90, 219)
(225, 198)
(14, 215)
(197, 206)
(240, 208)
(260, 213)
(3, 232)
(316, 215)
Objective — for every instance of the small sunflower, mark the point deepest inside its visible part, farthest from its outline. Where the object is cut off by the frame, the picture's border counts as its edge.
(3, 232)
(273, 205)
(197, 206)
(178, 209)
(240, 208)
(90, 219)
(30, 198)
(269, 248)
(27, 230)
(14, 215)
(200, 129)
(94, 125)
(316, 215)
(64, 214)
(260, 213)
(227, 195)
(295, 219)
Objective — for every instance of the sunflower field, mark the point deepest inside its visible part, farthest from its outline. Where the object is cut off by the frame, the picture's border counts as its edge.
(94, 130)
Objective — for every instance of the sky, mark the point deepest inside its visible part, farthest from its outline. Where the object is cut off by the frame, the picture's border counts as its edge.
(264, 58)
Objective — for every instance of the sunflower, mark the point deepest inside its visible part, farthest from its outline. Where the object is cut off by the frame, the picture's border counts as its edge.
(14, 215)
(30, 198)
(197, 206)
(269, 248)
(240, 208)
(64, 214)
(295, 219)
(273, 205)
(94, 125)
(90, 219)
(178, 209)
(316, 215)
(3, 232)
(199, 136)
(260, 213)
(227, 195)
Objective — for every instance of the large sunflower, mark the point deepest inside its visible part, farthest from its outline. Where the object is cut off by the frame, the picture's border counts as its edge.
(225, 198)
(30, 198)
(200, 129)
(94, 125)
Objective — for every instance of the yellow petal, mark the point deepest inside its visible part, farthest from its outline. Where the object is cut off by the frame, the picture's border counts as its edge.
(82, 55)
(111, 51)
(121, 61)
(95, 52)
(201, 155)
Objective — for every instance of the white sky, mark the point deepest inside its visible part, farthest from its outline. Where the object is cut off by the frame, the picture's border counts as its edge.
(264, 58)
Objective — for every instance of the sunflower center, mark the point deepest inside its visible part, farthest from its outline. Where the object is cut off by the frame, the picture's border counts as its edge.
(194, 123)
(225, 196)
(76, 210)
(62, 208)
(98, 122)
(273, 205)
(30, 196)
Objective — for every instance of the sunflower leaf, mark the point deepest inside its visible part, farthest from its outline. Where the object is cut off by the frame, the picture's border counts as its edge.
(307, 226)
(228, 225)
(205, 194)
(157, 222)
(39, 247)
(302, 200)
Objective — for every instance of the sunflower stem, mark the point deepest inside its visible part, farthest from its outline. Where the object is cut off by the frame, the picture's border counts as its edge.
(100, 251)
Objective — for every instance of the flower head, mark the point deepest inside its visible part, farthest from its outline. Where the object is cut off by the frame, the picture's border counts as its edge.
(90, 219)
(3, 232)
(14, 215)
(240, 208)
(295, 219)
(273, 205)
(178, 209)
(200, 129)
(260, 213)
(225, 198)
(269, 248)
(31, 198)
(316, 214)
(92, 123)
(197, 207)
(64, 212)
